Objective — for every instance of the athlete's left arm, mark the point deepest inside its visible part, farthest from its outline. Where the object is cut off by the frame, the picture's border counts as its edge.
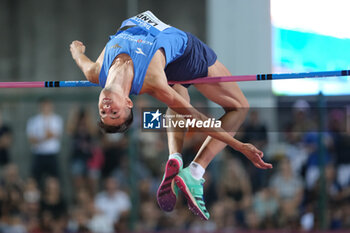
(163, 92)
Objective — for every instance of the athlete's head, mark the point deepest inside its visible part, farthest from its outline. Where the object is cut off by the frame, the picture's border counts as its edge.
(115, 111)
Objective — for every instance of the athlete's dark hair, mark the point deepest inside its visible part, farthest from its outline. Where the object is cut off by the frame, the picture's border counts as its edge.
(119, 128)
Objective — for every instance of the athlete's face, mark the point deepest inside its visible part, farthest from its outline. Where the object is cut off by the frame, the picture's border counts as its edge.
(113, 108)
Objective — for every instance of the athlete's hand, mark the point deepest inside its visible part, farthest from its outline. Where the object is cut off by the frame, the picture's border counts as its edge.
(254, 155)
(77, 48)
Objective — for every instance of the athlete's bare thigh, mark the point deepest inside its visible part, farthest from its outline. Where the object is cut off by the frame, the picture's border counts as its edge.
(226, 94)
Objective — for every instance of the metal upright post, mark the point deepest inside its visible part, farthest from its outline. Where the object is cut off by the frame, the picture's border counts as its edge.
(322, 199)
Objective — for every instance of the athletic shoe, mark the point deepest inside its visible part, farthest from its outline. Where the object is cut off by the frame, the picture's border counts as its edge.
(167, 191)
(193, 190)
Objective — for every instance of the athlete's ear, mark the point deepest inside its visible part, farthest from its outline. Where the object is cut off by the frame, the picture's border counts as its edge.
(129, 102)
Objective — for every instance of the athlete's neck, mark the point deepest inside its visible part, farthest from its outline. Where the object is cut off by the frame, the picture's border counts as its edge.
(120, 75)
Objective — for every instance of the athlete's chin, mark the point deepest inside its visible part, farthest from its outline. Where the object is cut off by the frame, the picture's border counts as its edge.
(109, 95)
(104, 94)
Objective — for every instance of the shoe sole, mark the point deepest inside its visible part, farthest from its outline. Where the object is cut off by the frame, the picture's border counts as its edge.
(192, 204)
(166, 197)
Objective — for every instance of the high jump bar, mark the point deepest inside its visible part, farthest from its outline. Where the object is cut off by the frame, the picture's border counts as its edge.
(234, 78)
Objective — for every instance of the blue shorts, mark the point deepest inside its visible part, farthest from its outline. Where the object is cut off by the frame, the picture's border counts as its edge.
(193, 63)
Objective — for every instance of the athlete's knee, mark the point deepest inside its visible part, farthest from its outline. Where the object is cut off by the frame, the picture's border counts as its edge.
(244, 103)
(244, 106)
(241, 105)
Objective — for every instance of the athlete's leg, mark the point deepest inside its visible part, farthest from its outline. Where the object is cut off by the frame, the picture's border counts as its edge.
(176, 136)
(230, 97)
(167, 191)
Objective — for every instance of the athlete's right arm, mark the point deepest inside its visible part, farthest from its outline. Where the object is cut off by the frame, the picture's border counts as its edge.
(163, 92)
(90, 69)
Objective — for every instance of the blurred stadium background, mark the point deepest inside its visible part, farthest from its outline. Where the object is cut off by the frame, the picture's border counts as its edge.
(108, 183)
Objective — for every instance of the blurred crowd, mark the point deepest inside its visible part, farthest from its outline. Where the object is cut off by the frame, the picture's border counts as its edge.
(113, 180)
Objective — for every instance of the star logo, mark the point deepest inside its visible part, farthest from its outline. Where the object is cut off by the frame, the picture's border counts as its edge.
(156, 115)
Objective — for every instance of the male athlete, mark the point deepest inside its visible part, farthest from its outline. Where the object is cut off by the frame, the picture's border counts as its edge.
(141, 58)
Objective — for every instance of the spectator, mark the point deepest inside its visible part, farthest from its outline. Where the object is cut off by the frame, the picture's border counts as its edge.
(235, 188)
(82, 132)
(79, 221)
(252, 220)
(112, 202)
(302, 121)
(255, 131)
(53, 209)
(311, 143)
(289, 189)
(114, 148)
(44, 132)
(149, 216)
(15, 225)
(295, 152)
(151, 149)
(219, 215)
(13, 200)
(11, 176)
(31, 205)
(178, 220)
(31, 196)
(100, 224)
(5, 143)
(84, 200)
(123, 223)
(334, 192)
(11, 196)
(307, 219)
(85, 216)
(265, 205)
(336, 198)
(145, 190)
(342, 147)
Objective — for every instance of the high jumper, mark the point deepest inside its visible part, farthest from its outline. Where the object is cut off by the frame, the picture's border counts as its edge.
(141, 58)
